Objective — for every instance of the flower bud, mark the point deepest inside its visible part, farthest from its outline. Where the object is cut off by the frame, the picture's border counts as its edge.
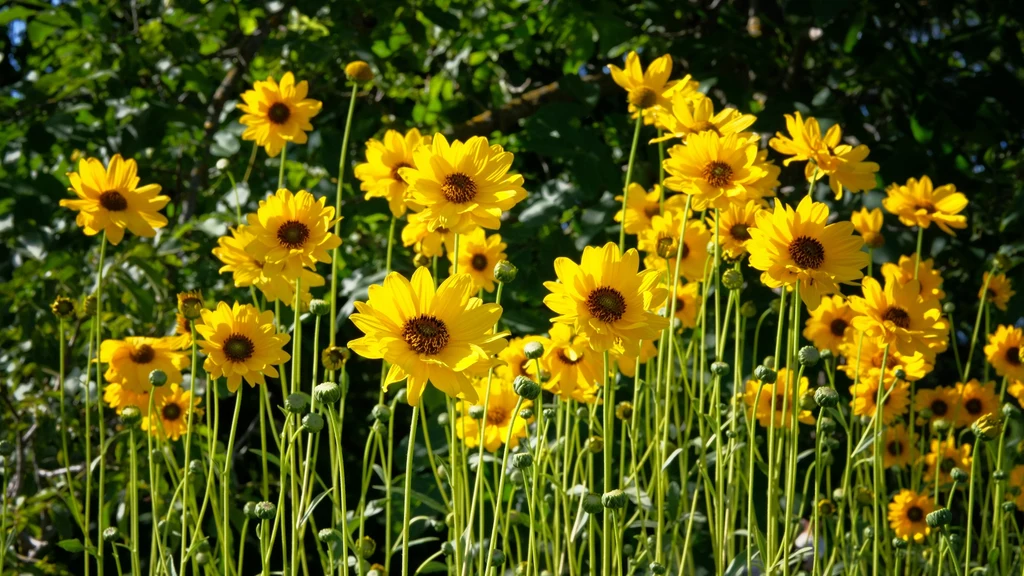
(312, 422)
(808, 356)
(549, 413)
(526, 388)
(131, 416)
(864, 496)
(1009, 507)
(522, 569)
(497, 558)
(720, 369)
(940, 426)
(827, 424)
(732, 279)
(265, 510)
(442, 419)
(807, 401)
(582, 413)
(366, 546)
(748, 309)
(533, 350)
(868, 533)
(769, 362)
(987, 428)
(526, 413)
(522, 461)
(319, 307)
(1009, 411)
(999, 475)
(334, 357)
(358, 71)
(63, 307)
(249, 509)
(826, 458)
(826, 507)
(826, 397)
(516, 476)
(614, 500)
(505, 272)
(157, 378)
(448, 548)
(658, 569)
(111, 534)
(195, 468)
(765, 374)
(665, 247)
(838, 494)
(327, 392)
(190, 304)
(296, 403)
(775, 305)
(592, 504)
(89, 306)
(624, 410)
(825, 355)
(899, 543)
(476, 412)
(402, 396)
(381, 413)
(939, 518)
(202, 558)
(595, 444)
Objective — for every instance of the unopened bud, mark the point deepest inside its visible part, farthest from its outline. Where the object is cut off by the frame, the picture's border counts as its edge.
(595, 444)
(748, 309)
(327, 392)
(533, 350)
(358, 71)
(624, 410)
(296, 403)
(522, 460)
(131, 416)
(312, 422)
(319, 307)
(382, 413)
(157, 378)
(476, 412)
(765, 374)
(808, 356)
(505, 272)
(939, 518)
(614, 500)
(526, 388)
(497, 558)
(366, 546)
(265, 510)
(826, 397)
(732, 279)
(63, 307)
(111, 534)
(592, 504)
(719, 369)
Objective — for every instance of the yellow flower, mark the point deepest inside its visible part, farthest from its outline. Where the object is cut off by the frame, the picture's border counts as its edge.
(907, 513)
(868, 224)
(432, 243)
(130, 361)
(573, 365)
(734, 224)
(974, 400)
(940, 401)
(384, 160)
(172, 404)
(515, 361)
(928, 277)
(918, 203)
(798, 245)
(660, 242)
(276, 114)
(438, 335)
(110, 200)
(1000, 290)
(501, 416)
(477, 256)
(627, 362)
(714, 169)
(118, 397)
(782, 391)
(688, 301)
(607, 298)
(947, 455)
(764, 187)
(648, 89)
(182, 332)
(899, 449)
(241, 342)
(695, 114)
(246, 270)
(642, 206)
(829, 323)
(463, 182)
(899, 317)
(865, 397)
(1003, 352)
(844, 164)
(1016, 480)
(869, 354)
(358, 71)
(292, 231)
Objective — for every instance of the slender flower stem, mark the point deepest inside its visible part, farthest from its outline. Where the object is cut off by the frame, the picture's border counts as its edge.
(225, 479)
(608, 433)
(501, 482)
(133, 495)
(185, 479)
(337, 213)
(75, 509)
(917, 253)
(101, 425)
(407, 496)
(982, 304)
(970, 506)
(629, 178)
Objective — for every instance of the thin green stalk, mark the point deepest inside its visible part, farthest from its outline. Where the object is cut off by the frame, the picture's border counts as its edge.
(64, 435)
(101, 425)
(970, 507)
(917, 253)
(188, 449)
(133, 495)
(983, 303)
(608, 433)
(337, 213)
(629, 177)
(225, 478)
(407, 496)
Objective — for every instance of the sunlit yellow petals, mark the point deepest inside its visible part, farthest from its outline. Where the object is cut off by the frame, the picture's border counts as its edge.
(291, 231)
(868, 224)
(929, 279)
(572, 364)
(500, 419)
(907, 513)
(845, 165)
(478, 253)
(642, 206)
(998, 289)
(714, 170)
(693, 114)
(734, 224)
(898, 449)
(899, 317)
(918, 203)
(829, 324)
(130, 361)
(774, 404)
(1003, 351)
(895, 394)
(381, 173)
(240, 342)
(650, 90)
(275, 114)
(687, 303)
(946, 455)
(171, 406)
(661, 245)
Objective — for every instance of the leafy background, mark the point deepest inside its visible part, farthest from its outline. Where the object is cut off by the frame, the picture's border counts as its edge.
(932, 87)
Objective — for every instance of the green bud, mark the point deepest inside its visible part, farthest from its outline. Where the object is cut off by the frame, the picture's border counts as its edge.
(614, 500)
(202, 558)
(111, 534)
(442, 419)
(958, 475)
(327, 392)
(476, 412)
(826, 397)
(948, 308)
(719, 369)
(448, 549)
(526, 413)
(899, 543)
(526, 388)
(533, 350)
(549, 413)
(296, 403)
(522, 460)
(827, 424)
(900, 374)
(732, 279)
(748, 309)
(825, 355)
(402, 397)
(595, 444)
(497, 556)
(517, 477)
(765, 374)
(327, 535)
(1009, 507)
(249, 509)
(265, 510)
(319, 307)
(505, 272)
(939, 518)
(657, 568)
(365, 547)
(808, 356)
(131, 416)
(592, 504)
(312, 422)
(381, 413)
(157, 378)
(582, 413)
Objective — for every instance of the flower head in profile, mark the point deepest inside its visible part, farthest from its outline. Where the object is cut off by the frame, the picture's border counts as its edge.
(896, 399)
(898, 316)
(714, 170)
(1004, 351)
(240, 342)
(171, 405)
(385, 158)
(974, 399)
(791, 246)
(574, 366)
(734, 224)
(607, 298)
(478, 253)
(660, 243)
(864, 358)
(999, 289)
(929, 278)
(443, 336)
(501, 417)
(247, 270)
(829, 323)
(907, 513)
(946, 455)
(292, 231)
(130, 361)
(693, 114)
(785, 393)
(651, 88)
(845, 165)
(642, 206)
(463, 183)
(432, 243)
(868, 224)
(898, 447)
(687, 302)
(110, 200)
(275, 114)
(919, 203)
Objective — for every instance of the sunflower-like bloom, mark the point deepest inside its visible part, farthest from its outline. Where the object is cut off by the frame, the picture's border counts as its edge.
(478, 253)
(172, 405)
(759, 400)
(292, 231)
(1016, 480)
(651, 89)
(940, 401)
(764, 187)
(441, 335)
(515, 361)
(463, 182)
(829, 323)
(1003, 352)
(918, 203)
(130, 361)
(791, 246)
(734, 224)
(999, 290)
(660, 242)
(695, 114)
(500, 418)
(574, 366)
(974, 400)
(714, 170)
(607, 298)
(907, 513)
(928, 277)
(947, 455)
(865, 397)
(868, 224)
(434, 242)
(898, 316)
(864, 362)
(627, 362)
(898, 447)
(110, 200)
(385, 158)
(241, 342)
(118, 397)
(844, 164)
(688, 301)
(277, 113)
(247, 270)
(642, 206)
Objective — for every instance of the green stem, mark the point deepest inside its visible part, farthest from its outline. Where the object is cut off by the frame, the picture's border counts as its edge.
(100, 424)
(188, 446)
(629, 177)
(64, 436)
(337, 214)
(917, 253)
(225, 479)
(407, 496)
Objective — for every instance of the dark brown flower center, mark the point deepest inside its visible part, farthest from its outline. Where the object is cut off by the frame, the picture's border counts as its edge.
(396, 172)
(897, 316)
(926, 206)
(838, 327)
(947, 464)
(606, 304)
(915, 514)
(973, 406)
(293, 234)
(171, 412)
(566, 360)
(642, 97)
(143, 354)
(425, 334)
(740, 232)
(895, 447)
(779, 401)
(238, 348)
(479, 262)
(113, 201)
(458, 188)
(1013, 355)
(652, 210)
(496, 416)
(807, 252)
(939, 407)
(717, 174)
(680, 304)
(279, 113)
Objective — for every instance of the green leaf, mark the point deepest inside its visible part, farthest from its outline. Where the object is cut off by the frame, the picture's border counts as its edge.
(921, 133)
(312, 506)
(73, 545)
